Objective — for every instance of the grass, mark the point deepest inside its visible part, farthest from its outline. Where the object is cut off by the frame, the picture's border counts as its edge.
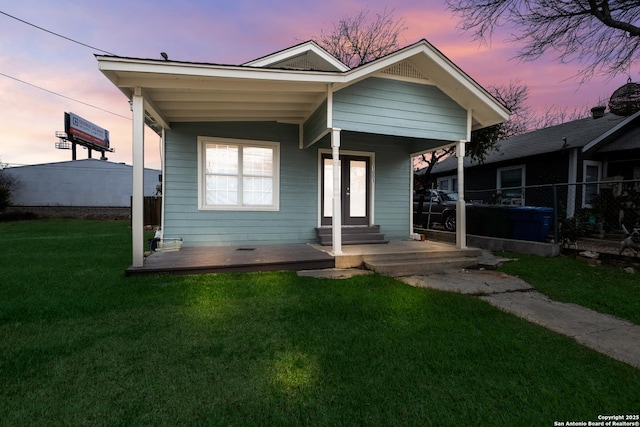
(84, 345)
(604, 288)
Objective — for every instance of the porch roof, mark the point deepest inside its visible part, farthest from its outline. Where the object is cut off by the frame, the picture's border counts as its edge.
(176, 91)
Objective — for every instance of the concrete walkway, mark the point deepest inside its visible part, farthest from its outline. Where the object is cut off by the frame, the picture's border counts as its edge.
(609, 335)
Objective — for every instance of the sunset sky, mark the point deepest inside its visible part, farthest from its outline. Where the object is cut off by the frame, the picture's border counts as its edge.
(223, 32)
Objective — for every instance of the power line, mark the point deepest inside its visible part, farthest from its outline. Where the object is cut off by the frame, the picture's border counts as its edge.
(63, 96)
(56, 34)
(50, 91)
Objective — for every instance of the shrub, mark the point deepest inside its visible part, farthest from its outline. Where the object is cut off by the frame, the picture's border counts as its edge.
(7, 185)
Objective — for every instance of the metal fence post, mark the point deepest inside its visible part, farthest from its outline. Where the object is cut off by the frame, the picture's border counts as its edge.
(555, 214)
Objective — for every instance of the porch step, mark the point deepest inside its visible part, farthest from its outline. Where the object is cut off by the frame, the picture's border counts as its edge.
(352, 236)
(416, 263)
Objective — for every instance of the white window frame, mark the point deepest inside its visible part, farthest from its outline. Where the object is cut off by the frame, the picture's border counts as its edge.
(586, 164)
(450, 183)
(523, 171)
(202, 143)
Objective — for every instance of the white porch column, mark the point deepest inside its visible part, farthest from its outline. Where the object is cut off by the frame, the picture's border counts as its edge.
(336, 223)
(163, 187)
(137, 202)
(461, 208)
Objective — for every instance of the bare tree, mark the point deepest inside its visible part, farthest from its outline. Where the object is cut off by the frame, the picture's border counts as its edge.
(601, 35)
(514, 95)
(553, 115)
(358, 40)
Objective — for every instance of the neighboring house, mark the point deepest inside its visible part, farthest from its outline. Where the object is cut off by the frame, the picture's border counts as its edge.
(269, 151)
(578, 153)
(77, 183)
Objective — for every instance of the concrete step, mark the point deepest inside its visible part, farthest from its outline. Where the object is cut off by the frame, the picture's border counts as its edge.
(418, 256)
(422, 262)
(399, 268)
(352, 236)
(326, 231)
(365, 239)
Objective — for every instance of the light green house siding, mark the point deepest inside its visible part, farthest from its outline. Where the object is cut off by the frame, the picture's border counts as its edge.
(316, 124)
(294, 222)
(388, 119)
(399, 108)
(298, 215)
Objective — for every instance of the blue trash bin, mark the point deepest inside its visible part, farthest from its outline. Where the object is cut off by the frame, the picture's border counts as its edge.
(476, 217)
(531, 223)
(498, 222)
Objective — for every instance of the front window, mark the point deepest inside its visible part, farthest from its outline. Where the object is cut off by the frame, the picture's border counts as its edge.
(448, 183)
(238, 175)
(511, 182)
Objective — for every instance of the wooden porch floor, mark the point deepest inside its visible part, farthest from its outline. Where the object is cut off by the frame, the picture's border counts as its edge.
(230, 259)
(233, 259)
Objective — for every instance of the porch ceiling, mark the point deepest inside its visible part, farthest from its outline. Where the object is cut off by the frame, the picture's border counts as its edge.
(207, 94)
(223, 100)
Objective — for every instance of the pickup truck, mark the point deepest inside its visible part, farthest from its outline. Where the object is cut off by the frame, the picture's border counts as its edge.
(435, 206)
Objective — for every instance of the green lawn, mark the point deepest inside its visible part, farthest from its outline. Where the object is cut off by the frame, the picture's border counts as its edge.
(604, 288)
(81, 344)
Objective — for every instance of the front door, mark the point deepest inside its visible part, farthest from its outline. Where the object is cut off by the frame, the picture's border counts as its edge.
(354, 187)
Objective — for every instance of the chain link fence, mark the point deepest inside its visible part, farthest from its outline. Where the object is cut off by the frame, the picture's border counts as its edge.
(595, 216)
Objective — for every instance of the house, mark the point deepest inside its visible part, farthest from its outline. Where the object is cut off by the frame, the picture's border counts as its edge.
(579, 156)
(88, 184)
(274, 150)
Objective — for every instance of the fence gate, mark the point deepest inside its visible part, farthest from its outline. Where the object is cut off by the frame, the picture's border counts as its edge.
(152, 210)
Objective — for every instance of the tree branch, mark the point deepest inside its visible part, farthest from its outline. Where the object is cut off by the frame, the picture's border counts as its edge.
(603, 13)
(601, 35)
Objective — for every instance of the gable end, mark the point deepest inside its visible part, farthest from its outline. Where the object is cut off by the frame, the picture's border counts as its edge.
(305, 62)
(308, 56)
(405, 69)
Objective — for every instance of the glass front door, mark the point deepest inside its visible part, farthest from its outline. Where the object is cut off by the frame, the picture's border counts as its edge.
(354, 187)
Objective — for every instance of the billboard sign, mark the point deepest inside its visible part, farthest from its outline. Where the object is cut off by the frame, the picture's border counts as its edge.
(85, 133)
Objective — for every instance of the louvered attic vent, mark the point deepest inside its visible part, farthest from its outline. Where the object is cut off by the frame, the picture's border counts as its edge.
(405, 69)
(297, 64)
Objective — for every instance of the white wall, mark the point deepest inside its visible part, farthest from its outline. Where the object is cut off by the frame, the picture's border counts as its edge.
(87, 182)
